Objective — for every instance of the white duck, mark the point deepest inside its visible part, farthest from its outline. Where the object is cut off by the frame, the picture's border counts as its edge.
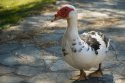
(81, 51)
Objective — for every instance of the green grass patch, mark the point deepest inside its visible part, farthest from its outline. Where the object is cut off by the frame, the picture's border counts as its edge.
(12, 11)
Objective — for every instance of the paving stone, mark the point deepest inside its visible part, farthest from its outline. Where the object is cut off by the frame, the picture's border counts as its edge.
(49, 60)
(120, 81)
(10, 79)
(8, 47)
(6, 70)
(119, 78)
(50, 78)
(121, 55)
(60, 65)
(56, 50)
(44, 78)
(34, 23)
(48, 37)
(29, 71)
(59, 31)
(27, 55)
(119, 69)
(110, 61)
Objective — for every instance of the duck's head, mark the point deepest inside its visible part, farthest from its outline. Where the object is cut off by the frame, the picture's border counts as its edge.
(65, 12)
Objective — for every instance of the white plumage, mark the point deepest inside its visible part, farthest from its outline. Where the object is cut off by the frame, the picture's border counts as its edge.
(83, 56)
(81, 51)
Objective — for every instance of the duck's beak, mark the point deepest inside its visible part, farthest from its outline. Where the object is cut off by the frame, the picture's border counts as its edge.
(55, 18)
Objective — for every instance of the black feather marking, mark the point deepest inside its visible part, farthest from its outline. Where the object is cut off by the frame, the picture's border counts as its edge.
(80, 43)
(64, 52)
(88, 49)
(92, 49)
(101, 34)
(105, 39)
(63, 49)
(96, 52)
(82, 46)
(74, 50)
(92, 32)
(73, 44)
(92, 42)
(80, 50)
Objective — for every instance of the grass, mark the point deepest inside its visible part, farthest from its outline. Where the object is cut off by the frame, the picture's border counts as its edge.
(12, 11)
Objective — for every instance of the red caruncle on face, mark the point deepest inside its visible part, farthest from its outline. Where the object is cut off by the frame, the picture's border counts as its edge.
(64, 12)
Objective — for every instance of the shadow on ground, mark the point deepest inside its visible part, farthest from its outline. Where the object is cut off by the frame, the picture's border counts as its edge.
(105, 79)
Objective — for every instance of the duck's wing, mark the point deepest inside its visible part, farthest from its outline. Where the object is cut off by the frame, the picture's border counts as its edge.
(95, 40)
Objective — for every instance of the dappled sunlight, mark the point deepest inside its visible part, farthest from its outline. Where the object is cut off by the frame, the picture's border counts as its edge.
(112, 12)
(49, 60)
(13, 28)
(44, 81)
(110, 2)
(49, 57)
(23, 60)
(119, 78)
(105, 22)
(26, 59)
(119, 38)
(9, 79)
(91, 14)
(31, 51)
(97, 21)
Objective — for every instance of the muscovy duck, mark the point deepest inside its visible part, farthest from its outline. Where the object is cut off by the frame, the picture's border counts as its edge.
(82, 51)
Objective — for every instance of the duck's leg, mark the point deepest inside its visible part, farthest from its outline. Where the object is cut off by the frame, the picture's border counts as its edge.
(82, 76)
(97, 73)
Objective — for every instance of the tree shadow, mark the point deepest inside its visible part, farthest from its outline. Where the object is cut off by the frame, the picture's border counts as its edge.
(100, 4)
(114, 31)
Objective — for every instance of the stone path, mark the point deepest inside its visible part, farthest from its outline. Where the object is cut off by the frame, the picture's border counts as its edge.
(31, 53)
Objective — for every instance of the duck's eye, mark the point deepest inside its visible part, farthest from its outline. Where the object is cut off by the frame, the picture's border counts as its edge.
(63, 14)
(65, 9)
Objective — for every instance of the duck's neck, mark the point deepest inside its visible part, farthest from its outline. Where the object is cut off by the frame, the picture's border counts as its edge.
(72, 30)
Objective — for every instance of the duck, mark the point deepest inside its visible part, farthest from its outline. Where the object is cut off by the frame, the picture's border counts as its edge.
(82, 51)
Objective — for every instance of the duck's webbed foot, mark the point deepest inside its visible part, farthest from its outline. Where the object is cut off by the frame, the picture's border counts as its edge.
(82, 76)
(97, 73)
